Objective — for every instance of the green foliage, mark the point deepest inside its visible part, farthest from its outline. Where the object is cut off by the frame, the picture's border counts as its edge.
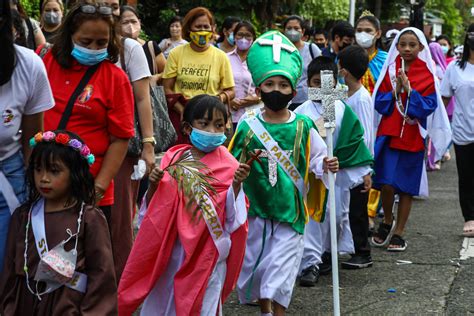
(323, 11)
(447, 10)
(31, 7)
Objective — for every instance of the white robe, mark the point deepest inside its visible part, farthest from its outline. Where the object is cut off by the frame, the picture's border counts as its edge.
(160, 301)
(317, 235)
(272, 260)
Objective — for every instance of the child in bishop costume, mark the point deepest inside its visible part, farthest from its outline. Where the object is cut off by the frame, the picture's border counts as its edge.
(355, 162)
(289, 148)
(407, 98)
(185, 264)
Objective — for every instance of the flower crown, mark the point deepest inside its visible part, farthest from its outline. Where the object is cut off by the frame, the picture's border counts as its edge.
(66, 140)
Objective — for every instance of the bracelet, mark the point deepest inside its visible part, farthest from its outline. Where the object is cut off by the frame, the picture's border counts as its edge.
(149, 140)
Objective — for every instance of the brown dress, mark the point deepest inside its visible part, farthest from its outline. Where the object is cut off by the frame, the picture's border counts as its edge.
(94, 259)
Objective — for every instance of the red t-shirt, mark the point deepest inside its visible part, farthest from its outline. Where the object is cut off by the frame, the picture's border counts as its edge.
(102, 110)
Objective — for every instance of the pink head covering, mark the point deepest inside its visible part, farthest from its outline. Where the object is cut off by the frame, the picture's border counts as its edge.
(438, 56)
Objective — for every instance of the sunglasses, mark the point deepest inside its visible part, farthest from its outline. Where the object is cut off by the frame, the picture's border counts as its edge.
(91, 9)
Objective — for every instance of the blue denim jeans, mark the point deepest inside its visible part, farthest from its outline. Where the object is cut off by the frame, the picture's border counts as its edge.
(14, 170)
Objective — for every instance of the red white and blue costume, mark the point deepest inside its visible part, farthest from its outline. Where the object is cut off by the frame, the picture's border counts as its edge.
(399, 156)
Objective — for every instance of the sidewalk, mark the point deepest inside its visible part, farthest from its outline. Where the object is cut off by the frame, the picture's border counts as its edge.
(436, 282)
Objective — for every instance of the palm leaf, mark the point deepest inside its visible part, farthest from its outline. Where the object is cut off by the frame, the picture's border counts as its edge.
(192, 176)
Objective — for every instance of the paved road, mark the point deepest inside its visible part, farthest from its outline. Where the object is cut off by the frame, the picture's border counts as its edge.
(437, 282)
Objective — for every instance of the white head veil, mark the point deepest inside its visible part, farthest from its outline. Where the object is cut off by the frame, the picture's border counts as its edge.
(437, 125)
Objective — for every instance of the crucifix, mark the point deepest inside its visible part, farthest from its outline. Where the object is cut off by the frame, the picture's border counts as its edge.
(327, 94)
(272, 163)
(277, 45)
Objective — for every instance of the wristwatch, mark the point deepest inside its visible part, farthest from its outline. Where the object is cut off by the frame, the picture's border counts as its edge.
(149, 140)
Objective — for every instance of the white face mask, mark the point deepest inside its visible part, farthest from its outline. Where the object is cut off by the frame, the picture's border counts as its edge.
(364, 39)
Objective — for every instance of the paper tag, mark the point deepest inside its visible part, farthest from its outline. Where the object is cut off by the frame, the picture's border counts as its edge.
(139, 170)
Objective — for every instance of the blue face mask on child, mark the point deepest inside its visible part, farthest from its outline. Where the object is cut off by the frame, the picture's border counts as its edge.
(205, 141)
(88, 57)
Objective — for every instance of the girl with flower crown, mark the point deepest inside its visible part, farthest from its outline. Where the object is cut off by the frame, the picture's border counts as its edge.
(58, 255)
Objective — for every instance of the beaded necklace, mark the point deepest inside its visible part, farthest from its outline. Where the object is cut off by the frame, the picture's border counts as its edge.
(25, 254)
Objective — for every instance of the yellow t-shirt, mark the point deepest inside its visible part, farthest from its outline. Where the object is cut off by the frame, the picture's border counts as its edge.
(207, 72)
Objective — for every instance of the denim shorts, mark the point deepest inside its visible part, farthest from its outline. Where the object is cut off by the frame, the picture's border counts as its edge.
(14, 170)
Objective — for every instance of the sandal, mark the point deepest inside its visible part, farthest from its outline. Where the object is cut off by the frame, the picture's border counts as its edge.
(397, 244)
(382, 233)
(468, 230)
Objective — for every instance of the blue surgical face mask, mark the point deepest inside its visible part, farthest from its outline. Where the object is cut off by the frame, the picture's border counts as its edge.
(231, 39)
(445, 49)
(88, 57)
(206, 141)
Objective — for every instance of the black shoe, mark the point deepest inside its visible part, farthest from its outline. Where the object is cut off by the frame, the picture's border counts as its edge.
(357, 262)
(325, 267)
(309, 276)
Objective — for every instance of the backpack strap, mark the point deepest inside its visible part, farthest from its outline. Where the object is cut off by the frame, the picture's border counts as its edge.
(311, 51)
(122, 56)
(151, 49)
(31, 34)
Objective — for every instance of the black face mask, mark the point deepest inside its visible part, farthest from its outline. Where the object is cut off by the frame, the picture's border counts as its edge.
(276, 100)
(321, 46)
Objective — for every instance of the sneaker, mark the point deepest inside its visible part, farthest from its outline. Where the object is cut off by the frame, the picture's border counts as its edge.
(309, 276)
(325, 267)
(357, 262)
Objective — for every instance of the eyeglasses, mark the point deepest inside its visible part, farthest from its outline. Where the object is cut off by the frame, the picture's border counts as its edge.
(101, 9)
(248, 36)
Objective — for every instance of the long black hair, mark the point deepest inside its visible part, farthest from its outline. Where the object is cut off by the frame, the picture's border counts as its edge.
(467, 49)
(227, 24)
(201, 106)
(46, 153)
(7, 53)
(17, 22)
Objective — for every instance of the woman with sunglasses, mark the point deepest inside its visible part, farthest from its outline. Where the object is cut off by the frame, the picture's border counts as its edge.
(196, 68)
(101, 113)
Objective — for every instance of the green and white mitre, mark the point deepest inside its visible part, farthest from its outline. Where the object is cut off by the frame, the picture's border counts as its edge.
(273, 54)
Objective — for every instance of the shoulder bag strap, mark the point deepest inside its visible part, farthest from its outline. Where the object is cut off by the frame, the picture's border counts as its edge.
(122, 56)
(31, 34)
(151, 49)
(80, 87)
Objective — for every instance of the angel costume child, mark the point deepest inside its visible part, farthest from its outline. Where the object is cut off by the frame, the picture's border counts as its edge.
(407, 98)
(186, 261)
(289, 149)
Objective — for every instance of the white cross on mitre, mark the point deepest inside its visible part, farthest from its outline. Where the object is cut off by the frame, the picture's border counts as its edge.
(277, 45)
(327, 94)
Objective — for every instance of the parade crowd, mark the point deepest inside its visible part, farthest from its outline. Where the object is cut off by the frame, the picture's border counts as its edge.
(158, 177)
